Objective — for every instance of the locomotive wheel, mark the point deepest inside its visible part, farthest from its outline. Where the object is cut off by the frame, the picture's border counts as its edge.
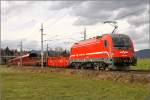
(100, 65)
(77, 65)
(82, 66)
(97, 66)
(105, 67)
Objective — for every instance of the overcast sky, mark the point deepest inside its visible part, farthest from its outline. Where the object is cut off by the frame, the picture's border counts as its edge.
(64, 21)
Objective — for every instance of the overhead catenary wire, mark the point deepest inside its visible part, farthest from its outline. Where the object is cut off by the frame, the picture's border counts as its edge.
(133, 13)
(129, 14)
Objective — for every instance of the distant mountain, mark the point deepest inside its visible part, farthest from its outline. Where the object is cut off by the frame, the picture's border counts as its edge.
(145, 53)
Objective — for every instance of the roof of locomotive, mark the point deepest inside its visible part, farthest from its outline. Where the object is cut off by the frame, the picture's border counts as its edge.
(119, 35)
(98, 37)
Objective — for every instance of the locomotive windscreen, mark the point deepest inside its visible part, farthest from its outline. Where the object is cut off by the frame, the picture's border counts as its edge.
(121, 41)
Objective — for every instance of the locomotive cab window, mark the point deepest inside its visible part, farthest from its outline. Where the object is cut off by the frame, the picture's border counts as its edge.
(121, 42)
(106, 43)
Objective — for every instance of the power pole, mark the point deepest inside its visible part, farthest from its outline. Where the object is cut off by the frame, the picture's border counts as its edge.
(47, 49)
(47, 54)
(149, 21)
(0, 42)
(84, 33)
(0, 50)
(20, 53)
(42, 45)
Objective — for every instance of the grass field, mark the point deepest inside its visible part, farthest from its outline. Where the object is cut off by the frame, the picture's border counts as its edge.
(25, 85)
(142, 64)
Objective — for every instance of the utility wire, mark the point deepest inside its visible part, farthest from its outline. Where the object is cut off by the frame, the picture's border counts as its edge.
(130, 14)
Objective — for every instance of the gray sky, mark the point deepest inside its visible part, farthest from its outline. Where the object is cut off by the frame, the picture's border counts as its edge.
(64, 21)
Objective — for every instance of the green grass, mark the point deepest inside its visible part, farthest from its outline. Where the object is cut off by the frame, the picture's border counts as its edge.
(142, 64)
(25, 85)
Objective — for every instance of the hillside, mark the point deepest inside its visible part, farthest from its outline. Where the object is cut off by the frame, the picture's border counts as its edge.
(145, 53)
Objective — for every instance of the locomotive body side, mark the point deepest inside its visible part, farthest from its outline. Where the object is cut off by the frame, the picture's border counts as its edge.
(94, 51)
(101, 52)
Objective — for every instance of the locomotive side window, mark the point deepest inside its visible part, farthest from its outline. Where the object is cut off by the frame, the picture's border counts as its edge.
(106, 43)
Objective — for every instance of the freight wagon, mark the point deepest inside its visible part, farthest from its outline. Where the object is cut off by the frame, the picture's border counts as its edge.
(30, 59)
(59, 61)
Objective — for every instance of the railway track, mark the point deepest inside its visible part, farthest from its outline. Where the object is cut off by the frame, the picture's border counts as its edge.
(130, 71)
(118, 71)
(141, 76)
(88, 70)
(140, 71)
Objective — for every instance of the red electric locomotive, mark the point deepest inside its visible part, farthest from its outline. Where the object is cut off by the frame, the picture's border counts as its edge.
(107, 51)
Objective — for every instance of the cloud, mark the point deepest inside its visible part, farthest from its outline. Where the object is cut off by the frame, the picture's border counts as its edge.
(27, 44)
(59, 5)
(139, 20)
(92, 12)
(22, 19)
(135, 13)
(139, 36)
(93, 19)
(10, 7)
